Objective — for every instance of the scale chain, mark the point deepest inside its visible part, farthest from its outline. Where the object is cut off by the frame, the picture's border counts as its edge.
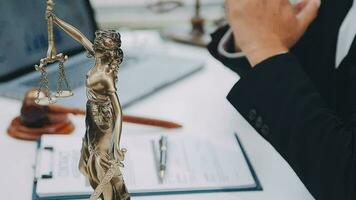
(62, 78)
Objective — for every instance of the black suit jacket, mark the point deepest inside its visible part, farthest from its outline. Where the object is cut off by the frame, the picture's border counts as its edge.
(304, 106)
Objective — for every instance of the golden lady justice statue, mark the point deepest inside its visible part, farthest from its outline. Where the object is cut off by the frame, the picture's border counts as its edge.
(101, 155)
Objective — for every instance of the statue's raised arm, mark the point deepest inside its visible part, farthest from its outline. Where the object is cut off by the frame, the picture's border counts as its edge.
(74, 33)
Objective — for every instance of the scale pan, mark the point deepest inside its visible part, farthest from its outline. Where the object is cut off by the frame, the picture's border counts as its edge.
(44, 101)
(64, 93)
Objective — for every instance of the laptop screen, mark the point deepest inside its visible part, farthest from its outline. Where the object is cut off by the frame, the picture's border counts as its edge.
(23, 32)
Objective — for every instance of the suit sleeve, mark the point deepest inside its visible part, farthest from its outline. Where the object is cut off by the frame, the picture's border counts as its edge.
(280, 101)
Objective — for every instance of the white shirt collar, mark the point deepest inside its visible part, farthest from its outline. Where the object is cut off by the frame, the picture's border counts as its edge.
(346, 35)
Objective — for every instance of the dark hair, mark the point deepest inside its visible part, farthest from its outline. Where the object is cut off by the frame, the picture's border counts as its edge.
(108, 43)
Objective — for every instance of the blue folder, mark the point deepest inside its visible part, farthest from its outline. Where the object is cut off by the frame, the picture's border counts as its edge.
(257, 187)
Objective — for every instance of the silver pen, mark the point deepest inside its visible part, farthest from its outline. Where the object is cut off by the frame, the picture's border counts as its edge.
(163, 156)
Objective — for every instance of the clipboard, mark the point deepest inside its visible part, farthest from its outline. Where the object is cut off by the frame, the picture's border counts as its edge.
(44, 151)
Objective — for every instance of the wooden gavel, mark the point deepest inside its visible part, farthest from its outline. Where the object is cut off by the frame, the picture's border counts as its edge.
(126, 118)
(36, 120)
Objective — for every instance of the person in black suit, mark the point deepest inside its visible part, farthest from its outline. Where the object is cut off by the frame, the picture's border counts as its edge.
(298, 84)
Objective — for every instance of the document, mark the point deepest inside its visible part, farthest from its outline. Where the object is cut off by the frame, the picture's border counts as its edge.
(194, 164)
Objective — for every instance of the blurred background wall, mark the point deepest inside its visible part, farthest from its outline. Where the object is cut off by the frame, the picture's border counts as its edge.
(136, 14)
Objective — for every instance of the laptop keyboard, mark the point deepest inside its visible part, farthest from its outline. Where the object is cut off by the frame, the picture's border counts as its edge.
(139, 77)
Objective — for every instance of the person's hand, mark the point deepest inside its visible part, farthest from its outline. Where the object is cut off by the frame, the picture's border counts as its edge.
(264, 28)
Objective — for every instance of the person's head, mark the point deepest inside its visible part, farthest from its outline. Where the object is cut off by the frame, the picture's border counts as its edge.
(107, 45)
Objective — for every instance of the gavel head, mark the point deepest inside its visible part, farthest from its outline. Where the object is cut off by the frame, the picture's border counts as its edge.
(32, 114)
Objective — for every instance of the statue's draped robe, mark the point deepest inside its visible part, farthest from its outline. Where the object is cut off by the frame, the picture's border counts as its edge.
(94, 162)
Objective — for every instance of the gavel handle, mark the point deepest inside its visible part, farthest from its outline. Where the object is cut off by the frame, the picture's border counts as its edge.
(126, 118)
(65, 110)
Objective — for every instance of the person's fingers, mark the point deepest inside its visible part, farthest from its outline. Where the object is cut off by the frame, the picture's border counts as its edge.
(226, 8)
(299, 6)
(308, 13)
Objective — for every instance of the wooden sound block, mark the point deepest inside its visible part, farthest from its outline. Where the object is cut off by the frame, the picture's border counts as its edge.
(18, 130)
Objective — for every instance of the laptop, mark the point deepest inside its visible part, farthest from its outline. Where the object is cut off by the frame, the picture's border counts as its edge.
(23, 42)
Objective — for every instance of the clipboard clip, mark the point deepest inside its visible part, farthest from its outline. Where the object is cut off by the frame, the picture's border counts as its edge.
(44, 163)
